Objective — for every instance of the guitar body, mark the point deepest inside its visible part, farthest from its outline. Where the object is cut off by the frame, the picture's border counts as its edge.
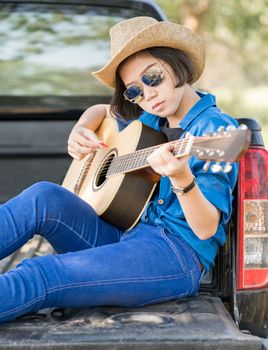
(118, 182)
(119, 199)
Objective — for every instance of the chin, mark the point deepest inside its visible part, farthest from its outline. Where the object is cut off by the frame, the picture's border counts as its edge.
(162, 114)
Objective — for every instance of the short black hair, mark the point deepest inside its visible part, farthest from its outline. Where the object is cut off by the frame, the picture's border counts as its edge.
(182, 66)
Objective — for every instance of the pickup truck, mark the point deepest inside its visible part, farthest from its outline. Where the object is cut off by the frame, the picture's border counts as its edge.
(48, 48)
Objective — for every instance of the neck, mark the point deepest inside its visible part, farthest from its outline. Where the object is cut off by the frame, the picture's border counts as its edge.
(188, 100)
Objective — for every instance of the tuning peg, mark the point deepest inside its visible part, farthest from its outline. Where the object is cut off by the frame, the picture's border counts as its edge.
(220, 153)
(231, 128)
(227, 167)
(210, 152)
(216, 168)
(243, 127)
(200, 152)
(206, 166)
(220, 128)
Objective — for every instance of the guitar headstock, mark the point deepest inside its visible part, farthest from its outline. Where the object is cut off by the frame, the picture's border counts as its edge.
(226, 145)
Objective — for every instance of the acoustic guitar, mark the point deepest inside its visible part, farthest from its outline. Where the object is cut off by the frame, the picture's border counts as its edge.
(118, 181)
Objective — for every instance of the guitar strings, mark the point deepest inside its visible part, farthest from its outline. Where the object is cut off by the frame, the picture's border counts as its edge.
(177, 143)
(136, 159)
(114, 165)
(119, 163)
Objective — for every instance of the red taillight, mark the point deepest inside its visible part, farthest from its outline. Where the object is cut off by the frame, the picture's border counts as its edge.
(252, 247)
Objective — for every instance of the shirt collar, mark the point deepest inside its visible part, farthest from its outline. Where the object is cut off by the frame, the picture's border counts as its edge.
(207, 100)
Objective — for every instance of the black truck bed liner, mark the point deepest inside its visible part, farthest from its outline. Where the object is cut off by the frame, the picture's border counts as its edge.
(200, 322)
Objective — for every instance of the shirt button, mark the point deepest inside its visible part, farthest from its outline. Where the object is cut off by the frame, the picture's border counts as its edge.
(160, 201)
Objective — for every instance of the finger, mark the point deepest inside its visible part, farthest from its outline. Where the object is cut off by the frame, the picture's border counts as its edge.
(93, 139)
(188, 135)
(84, 146)
(84, 142)
(164, 153)
(88, 134)
(75, 155)
(94, 143)
(80, 150)
(165, 163)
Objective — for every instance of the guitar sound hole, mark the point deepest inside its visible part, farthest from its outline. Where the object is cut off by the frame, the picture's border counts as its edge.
(101, 177)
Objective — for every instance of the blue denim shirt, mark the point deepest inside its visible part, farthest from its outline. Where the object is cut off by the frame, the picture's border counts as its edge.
(204, 117)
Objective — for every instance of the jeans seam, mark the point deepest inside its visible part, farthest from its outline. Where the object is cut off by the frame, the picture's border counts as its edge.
(192, 280)
(22, 306)
(70, 228)
(62, 223)
(127, 234)
(171, 297)
(10, 212)
(196, 267)
(172, 246)
(190, 251)
(197, 261)
(116, 281)
(185, 244)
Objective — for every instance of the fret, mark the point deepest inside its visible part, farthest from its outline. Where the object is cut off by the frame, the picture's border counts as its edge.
(148, 152)
(122, 164)
(130, 162)
(138, 159)
(134, 160)
(180, 149)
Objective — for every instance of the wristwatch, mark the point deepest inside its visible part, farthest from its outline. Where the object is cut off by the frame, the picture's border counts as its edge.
(182, 190)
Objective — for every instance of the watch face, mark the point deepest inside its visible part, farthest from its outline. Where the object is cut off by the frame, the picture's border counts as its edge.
(178, 191)
(181, 191)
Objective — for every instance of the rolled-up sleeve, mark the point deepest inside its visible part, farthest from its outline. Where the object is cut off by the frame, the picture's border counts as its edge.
(216, 187)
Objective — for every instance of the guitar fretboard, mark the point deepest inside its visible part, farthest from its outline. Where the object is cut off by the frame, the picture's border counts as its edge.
(138, 160)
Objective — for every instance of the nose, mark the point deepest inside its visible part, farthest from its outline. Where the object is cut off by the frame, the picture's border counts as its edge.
(149, 92)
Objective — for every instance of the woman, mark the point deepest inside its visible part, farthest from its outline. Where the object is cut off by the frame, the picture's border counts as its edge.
(163, 257)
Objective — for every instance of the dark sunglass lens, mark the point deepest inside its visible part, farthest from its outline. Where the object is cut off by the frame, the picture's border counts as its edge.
(157, 80)
(132, 92)
(152, 78)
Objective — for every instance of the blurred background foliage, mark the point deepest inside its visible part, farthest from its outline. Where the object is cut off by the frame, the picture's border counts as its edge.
(49, 49)
(236, 38)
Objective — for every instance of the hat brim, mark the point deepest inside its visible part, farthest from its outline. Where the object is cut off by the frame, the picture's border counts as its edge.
(165, 34)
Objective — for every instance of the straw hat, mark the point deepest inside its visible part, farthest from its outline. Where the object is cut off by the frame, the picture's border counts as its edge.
(139, 33)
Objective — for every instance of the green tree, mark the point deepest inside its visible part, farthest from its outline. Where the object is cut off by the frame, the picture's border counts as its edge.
(236, 37)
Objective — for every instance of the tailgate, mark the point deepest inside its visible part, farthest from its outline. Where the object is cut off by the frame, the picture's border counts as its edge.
(32, 151)
(200, 322)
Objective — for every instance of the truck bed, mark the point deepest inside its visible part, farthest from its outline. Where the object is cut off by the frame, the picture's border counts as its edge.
(199, 322)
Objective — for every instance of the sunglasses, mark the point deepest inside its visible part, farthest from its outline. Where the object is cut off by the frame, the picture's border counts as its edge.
(153, 77)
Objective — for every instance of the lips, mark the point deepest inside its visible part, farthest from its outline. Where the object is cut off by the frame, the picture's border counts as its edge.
(157, 104)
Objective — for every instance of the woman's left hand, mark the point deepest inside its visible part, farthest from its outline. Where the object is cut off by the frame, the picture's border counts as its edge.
(163, 162)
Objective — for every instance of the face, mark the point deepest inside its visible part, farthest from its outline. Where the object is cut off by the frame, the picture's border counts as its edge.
(156, 81)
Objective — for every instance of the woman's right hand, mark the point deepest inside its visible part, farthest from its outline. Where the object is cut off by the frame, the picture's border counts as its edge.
(82, 142)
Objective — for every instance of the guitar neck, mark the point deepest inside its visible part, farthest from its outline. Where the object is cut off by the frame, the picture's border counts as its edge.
(222, 146)
(138, 160)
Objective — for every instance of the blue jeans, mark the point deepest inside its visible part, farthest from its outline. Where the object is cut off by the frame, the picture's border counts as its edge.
(96, 263)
